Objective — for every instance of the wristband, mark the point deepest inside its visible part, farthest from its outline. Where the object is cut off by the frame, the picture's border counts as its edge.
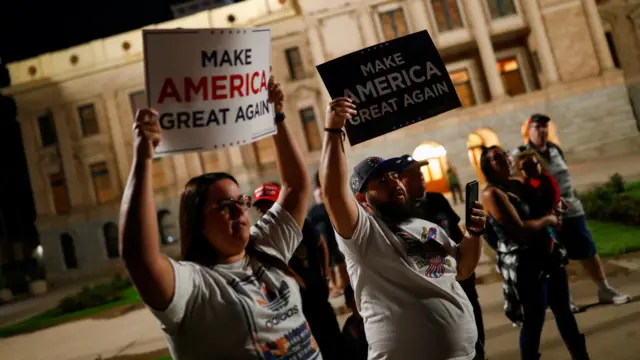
(336, 131)
(279, 117)
(475, 233)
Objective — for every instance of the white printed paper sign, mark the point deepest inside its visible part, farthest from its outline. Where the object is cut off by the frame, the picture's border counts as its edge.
(209, 86)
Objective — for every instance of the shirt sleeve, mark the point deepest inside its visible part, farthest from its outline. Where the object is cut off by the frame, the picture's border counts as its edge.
(277, 233)
(187, 280)
(356, 246)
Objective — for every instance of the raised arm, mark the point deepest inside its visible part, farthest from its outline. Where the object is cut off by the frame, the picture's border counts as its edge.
(150, 270)
(338, 199)
(497, 204)
(295, 190)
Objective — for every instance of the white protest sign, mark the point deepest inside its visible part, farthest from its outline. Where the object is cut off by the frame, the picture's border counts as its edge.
(209, 86)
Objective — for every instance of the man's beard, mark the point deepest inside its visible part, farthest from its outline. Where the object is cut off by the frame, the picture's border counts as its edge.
(393, 213)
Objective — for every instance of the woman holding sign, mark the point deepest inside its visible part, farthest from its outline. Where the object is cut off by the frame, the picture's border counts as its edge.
(233, 295)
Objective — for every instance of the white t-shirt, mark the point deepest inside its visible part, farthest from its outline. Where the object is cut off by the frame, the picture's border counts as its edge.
(406, 290)
(241, 311)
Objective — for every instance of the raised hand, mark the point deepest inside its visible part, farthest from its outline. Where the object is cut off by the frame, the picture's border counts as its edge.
(147, 133)
(339, 111)
(478, 218)
(276, 95)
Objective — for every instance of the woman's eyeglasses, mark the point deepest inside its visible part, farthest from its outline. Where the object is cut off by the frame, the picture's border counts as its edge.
(228, 205)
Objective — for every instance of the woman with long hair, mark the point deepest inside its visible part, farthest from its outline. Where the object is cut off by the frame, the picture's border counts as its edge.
(530, 283)
(232, 296)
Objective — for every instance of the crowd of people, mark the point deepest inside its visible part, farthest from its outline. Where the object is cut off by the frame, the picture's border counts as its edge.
(398, 253)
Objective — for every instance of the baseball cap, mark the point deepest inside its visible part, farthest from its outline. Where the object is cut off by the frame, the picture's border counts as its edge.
(266, 191)
(370, 167)
(538, 119)
(408, 162)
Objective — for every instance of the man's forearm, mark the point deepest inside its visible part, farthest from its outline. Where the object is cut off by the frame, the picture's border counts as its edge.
(333, 167)
(469, 252)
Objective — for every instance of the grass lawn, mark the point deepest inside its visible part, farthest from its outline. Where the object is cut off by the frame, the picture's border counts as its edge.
(55, 316)
(614, 239)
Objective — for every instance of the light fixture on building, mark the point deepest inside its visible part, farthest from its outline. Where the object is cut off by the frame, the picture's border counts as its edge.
(38, 253)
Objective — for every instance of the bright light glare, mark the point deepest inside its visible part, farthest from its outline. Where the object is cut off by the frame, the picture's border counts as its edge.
(429, 151)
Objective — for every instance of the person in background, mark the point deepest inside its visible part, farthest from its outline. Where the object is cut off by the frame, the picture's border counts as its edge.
(574, 234)
(435, 208)
(403, 270)
(308, 261)
(232, 296)
(338, 277)
(454, 184)
(531, 280)
(353, 335)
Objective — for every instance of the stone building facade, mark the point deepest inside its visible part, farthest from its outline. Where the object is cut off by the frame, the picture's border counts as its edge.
(507, 58)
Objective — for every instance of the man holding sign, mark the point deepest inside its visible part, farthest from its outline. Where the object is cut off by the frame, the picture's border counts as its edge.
(403, 270)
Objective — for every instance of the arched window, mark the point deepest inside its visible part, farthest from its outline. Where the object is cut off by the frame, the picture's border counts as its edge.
(435, 172)
(68, 251)
(166, 228)
(110, 232)
(475, 142)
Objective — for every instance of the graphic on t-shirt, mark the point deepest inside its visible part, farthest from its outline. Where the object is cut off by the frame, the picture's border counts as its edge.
(435, 268)
(274, 300)
(298, 344)
(429, 234)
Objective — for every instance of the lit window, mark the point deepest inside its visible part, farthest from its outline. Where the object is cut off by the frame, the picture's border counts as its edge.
(462, 84)
(394, 24)
(47, 127)
(500, 8)
(102, 182)
(60, 193)
(294, 62)
(88, 120)
(434, 153)
(310, 128)
(511, 77)
(447, 14)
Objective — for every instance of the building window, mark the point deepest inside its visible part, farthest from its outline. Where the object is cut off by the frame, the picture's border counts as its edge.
(138, 100)
(294, 62)
(462, 83)
(264, 150)
(511, 76)
(110, 232)
(310, 128)
(500, 8)
(536, 62)
(47, 128)
(88, 120)
(158, 174)
(447, 14)
(612, 49)
(394, 23)
(60, 193)
(102, 182)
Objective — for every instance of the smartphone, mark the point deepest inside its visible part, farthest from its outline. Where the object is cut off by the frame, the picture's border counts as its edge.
(471, 196)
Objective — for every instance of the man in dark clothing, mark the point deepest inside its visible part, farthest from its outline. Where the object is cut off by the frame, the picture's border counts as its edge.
(434, 207)
(309, 263)
(320, 219)
(355, 340)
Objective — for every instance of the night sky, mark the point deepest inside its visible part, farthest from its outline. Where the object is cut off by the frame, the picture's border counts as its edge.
(32, 27)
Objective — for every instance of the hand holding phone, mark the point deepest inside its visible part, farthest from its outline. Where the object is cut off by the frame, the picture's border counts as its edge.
(475, 225)
(471, 196)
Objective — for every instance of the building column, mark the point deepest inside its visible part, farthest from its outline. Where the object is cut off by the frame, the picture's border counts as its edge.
(117, 139)
(65, 147)
(367, 27)
(180, 171)
(38, 184)
(418, 17)
(549, 68)
(475, 15)
(597, 35)
(194, 164)
(318, 55)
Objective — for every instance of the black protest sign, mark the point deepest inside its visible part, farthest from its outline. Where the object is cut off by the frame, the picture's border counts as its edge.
(393, 84)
